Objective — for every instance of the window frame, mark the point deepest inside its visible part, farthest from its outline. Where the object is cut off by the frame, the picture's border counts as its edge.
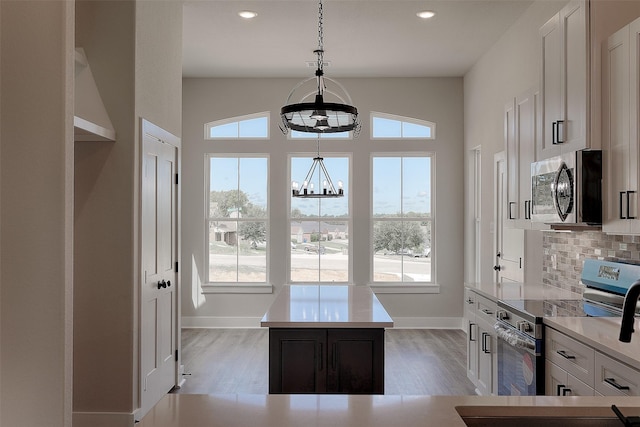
(348, 219)
(208, 126)
(238, 286)
(401, 119)
(401, 286)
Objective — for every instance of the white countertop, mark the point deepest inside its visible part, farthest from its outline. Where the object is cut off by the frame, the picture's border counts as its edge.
(307, 410)
(519, 290)
(326, 306)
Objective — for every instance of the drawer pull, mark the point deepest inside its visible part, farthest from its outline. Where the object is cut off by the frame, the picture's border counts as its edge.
(612, 382)
(487, 312)
(566, 391)
(564, 354)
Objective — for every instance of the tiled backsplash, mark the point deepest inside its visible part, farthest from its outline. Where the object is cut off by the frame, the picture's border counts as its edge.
(565, 252)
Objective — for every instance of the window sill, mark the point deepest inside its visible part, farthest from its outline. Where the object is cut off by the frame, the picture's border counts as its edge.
(237, 288)
(390, 288)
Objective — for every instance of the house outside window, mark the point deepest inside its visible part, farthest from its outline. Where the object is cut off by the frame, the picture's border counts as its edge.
(320, 244)
(237, 219)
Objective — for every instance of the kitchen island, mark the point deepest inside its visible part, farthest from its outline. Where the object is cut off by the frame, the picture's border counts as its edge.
(326, 339)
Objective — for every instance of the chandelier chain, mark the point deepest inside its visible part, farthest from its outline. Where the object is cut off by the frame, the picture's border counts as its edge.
(320, 36)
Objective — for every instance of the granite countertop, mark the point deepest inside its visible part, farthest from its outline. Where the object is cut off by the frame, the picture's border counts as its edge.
(326, 306)
(519, 290)
(280, 410)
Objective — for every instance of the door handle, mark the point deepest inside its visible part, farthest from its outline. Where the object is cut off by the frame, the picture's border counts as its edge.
(560, 132)
(162, 284)
(168, 282)
(497, 267)
(614, 383)
(485, 347)
(564, 354)
(629, 205)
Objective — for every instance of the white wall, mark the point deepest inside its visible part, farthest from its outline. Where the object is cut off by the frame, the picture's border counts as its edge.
(436, 99)
(36, 164)
(134, 49)
(508, 69)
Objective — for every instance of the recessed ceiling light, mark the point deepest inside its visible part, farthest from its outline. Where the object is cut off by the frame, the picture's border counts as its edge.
(247, 14)
(426, 14)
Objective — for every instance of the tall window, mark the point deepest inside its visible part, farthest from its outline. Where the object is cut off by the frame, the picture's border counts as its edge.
(320, 227)
(237, 219)
(402, 218)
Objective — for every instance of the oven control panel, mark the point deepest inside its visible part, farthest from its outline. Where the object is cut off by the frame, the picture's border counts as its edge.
(520, 323)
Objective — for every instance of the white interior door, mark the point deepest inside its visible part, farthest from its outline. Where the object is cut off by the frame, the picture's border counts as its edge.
(158, 313)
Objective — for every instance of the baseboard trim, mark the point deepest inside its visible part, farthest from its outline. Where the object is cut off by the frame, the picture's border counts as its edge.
(213, 322)
(428, 323)
(103, 419)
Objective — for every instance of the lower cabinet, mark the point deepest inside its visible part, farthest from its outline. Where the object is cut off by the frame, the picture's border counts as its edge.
(316, 360)
(561, 383)
(481, 342)
(574, 368)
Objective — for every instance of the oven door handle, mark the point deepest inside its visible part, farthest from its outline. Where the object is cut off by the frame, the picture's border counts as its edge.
(514, 338)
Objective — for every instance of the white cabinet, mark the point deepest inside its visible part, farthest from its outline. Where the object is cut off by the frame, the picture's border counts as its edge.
(574, 368)
(561, 383)
(520, 136)
(620, 130)
(614, 378)
(564, 81)
(481, 342)
(569, 366)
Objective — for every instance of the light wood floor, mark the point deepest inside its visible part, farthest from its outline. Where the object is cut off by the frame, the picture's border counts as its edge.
(417, 361)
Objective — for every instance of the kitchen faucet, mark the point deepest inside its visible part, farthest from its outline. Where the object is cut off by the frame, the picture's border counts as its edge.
(629, 311)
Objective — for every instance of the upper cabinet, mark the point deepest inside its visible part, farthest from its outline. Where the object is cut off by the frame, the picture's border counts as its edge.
(520, 118)
(564, 82)
(620, 75)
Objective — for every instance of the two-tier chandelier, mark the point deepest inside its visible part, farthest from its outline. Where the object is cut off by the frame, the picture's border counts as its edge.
(320, 116)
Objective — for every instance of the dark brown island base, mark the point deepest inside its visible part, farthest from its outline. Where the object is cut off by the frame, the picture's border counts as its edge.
(326, 339)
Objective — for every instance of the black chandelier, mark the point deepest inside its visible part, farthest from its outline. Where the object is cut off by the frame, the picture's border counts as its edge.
(325, 189)
(320, 116)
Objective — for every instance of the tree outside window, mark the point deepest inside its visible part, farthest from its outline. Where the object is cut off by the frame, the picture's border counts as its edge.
(402, 218)
(237, 222)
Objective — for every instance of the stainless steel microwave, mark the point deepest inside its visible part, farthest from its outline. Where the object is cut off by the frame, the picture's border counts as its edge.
(567, 189)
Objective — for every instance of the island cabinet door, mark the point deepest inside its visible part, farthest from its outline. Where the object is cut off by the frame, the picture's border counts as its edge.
(355, 361)
(297, 360)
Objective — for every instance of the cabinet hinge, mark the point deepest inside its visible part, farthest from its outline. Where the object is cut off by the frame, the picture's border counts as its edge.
(177, 179)
(176, 266)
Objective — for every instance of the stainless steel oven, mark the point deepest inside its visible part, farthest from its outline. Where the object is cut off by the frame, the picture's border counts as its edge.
(520, 329)
(520, 354)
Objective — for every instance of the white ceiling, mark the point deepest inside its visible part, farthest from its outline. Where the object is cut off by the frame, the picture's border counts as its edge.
(362, 38)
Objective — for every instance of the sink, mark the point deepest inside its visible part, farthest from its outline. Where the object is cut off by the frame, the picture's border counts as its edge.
(536, 416)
